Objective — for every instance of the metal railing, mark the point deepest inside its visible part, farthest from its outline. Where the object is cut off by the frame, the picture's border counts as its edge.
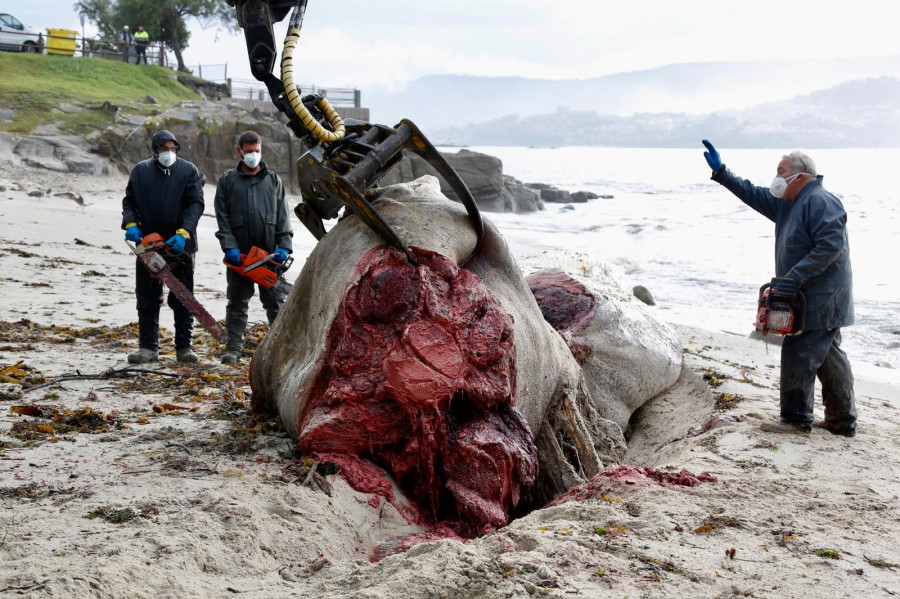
(19, 41)
(76, 45)
(251, 89)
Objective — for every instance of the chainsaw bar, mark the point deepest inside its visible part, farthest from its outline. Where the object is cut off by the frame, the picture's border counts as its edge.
(158, 269)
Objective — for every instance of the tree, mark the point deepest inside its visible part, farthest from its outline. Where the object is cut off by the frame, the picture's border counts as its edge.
(164, 20)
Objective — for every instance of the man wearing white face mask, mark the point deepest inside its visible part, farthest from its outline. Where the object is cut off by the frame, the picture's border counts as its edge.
(812, 250)
(164, 195)
(250, 211)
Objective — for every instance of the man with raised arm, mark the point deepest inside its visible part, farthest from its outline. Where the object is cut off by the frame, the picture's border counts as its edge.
(812, 251)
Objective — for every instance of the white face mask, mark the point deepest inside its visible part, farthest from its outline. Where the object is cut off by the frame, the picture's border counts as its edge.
(779, 184)
(252, 159)
(167, 159)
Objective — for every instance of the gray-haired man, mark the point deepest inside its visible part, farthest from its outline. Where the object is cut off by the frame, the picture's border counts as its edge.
(812, 250)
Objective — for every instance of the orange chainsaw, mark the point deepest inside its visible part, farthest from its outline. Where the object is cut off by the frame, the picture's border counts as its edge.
(780, 312)
(260, 267)
(150, 252)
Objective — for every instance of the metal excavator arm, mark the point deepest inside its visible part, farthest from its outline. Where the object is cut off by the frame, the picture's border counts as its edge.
(345, 157)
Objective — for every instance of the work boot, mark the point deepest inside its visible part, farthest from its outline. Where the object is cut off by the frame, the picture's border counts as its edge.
(186, 355)
(231, 357)
(780, 426)
(849, 433)
(143, 356)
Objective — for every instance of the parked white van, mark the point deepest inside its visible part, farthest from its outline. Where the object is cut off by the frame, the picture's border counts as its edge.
(16, 36)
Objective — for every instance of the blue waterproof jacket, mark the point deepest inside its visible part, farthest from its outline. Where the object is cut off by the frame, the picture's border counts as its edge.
(163, 200)
(811, 246)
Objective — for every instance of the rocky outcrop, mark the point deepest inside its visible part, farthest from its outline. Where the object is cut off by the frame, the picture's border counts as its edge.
(208, 133)
(483, 175)
(205, 89)
(63, 154)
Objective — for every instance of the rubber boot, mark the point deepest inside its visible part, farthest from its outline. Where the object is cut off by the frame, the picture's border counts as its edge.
(186, 355)
(143, 356)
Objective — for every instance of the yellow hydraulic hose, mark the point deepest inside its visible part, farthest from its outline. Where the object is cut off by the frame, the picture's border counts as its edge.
(290, 88)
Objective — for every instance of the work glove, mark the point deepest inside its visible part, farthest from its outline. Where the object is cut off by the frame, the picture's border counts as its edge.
(176, 242)
(281, 255)
(233, 256)
(712, 157)
(133, 234)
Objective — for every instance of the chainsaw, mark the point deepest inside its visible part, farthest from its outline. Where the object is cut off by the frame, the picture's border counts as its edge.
(150, 252)
(345, 157)
(260, 267)
(780, 312)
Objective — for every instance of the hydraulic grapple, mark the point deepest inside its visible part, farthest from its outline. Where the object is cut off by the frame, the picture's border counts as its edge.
(345, 158)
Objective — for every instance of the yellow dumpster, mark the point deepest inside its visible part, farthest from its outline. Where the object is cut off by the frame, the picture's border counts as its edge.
(61, 41)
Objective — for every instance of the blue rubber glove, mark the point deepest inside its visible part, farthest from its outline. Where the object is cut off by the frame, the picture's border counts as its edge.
(281, 255)
(133, 234)
(712, 157)
(176, 242)
(233, 256)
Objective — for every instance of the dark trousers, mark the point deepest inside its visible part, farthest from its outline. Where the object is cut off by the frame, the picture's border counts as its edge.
(149, 292)
(141, 52)
(240, 290)
(803, 358)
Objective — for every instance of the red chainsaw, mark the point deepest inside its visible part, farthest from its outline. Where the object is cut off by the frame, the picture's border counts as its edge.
(780, 312)
(150, 252)
(260, 267)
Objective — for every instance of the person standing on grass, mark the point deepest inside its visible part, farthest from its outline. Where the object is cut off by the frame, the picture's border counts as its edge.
(812, 250)
(125, 40)
(250, 210)
(141, 42)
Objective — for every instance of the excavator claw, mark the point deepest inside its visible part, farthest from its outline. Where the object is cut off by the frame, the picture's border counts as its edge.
(345, 158)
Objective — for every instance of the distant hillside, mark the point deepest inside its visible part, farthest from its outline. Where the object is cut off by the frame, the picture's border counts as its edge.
(854, 114)
(441, 101)
(69, 92)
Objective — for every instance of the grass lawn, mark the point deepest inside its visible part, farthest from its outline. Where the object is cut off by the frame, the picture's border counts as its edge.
(33, 85)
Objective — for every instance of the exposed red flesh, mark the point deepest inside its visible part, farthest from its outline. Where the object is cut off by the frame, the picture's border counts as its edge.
(567, 306)
(419, 377)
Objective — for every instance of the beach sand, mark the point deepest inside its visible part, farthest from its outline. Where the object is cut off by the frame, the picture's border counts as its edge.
(142, 485)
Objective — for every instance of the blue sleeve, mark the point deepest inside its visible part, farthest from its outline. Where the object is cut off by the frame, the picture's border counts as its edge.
(758, 198)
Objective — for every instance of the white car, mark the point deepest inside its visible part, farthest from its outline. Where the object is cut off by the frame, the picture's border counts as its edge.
(16, 36)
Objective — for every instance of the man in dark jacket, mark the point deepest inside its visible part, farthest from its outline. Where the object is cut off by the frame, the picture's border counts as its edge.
(250, 210)
(812, 250)
(164, 195)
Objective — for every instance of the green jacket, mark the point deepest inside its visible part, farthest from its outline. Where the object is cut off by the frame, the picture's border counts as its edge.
(251, 211)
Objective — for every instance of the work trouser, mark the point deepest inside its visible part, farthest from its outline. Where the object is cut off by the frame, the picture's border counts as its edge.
(803, 358)
(240, 290)
(140, 51)
(149, 292)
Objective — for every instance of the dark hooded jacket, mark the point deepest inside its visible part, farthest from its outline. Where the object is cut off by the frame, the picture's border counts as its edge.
(163, 200)
(811, 246)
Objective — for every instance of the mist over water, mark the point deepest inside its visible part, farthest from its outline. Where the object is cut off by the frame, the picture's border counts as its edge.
(700, 250)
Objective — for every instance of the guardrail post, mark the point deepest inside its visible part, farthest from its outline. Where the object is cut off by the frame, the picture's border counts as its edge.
(357, 98)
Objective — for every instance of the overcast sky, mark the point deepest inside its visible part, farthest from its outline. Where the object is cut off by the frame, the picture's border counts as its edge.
(365, 43)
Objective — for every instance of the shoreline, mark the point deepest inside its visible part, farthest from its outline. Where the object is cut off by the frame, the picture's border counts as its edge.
(166, 486)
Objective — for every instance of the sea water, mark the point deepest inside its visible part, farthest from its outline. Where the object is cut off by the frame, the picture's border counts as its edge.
(701, 252)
